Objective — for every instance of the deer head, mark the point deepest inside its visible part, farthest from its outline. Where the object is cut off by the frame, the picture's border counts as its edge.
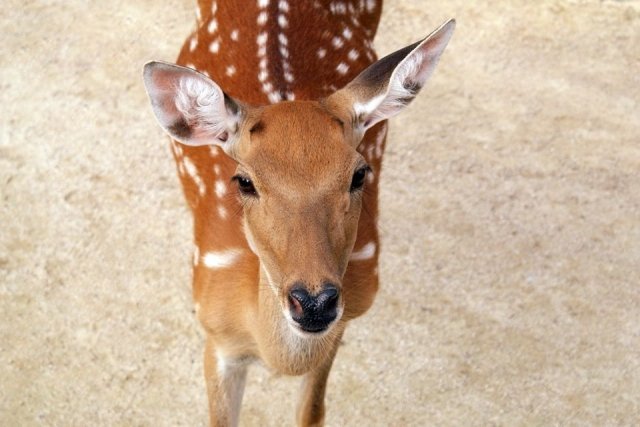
(299, 176)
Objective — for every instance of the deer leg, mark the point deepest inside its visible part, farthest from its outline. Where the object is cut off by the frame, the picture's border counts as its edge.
(225, 379)
(314, 384)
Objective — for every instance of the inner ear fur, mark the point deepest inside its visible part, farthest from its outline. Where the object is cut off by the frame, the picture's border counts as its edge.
(387, 86)
(192, 108)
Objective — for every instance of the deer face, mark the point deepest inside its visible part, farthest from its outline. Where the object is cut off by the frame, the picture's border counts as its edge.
(299, 175)
(301, 181)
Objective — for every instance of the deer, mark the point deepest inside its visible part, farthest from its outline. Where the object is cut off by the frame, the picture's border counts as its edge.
(277, 113)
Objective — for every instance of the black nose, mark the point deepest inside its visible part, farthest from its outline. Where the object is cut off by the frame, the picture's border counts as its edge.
(314, 312)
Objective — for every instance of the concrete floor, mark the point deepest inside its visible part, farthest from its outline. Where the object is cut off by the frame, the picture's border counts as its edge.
(510, 218)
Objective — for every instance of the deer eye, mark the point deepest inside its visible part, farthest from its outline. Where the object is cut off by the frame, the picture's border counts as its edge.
(245, 185)
(358, 178)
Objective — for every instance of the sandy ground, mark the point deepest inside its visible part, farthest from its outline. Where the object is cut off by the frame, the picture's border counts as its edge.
(510, 216)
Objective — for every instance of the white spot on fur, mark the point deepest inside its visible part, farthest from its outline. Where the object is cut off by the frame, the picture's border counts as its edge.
(283, 5)
(214, 150)
(190, 167)
(267, 87)
(274, 97)
(322, 52)
(193, 44)
(337, 42)
(223, 212)
(370, 55)
(338, 7)
(283, 42)
(235, 34)
(342, 68)
(217, 169)
(262, 18)
(221, 259)
(346, 33)
(221, 188)
(192, 170)
(371, 4)
(353, 55)
(282, 21)
(262, 50)
(354, 20)
(367, 252)
(230, 70)
(213, 26)
(177, 149)
(214, 47)
(263, 3)
(262, 38)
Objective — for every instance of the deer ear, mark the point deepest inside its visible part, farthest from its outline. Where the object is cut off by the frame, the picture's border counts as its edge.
(190, 107)
(387, 86)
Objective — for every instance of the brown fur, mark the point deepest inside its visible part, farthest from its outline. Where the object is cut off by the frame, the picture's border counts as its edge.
(237, 308)
(300, 228)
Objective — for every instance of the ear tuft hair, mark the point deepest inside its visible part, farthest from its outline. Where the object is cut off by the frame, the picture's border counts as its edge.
(190, 107)
(199, 104)
(386, 87)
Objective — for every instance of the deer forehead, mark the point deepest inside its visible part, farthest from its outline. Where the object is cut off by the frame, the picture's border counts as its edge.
(298, 143)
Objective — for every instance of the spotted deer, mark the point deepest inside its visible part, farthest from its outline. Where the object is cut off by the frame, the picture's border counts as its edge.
(277, 114)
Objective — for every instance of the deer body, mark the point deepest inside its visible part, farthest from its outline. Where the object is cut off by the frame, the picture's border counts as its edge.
(286, 245)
